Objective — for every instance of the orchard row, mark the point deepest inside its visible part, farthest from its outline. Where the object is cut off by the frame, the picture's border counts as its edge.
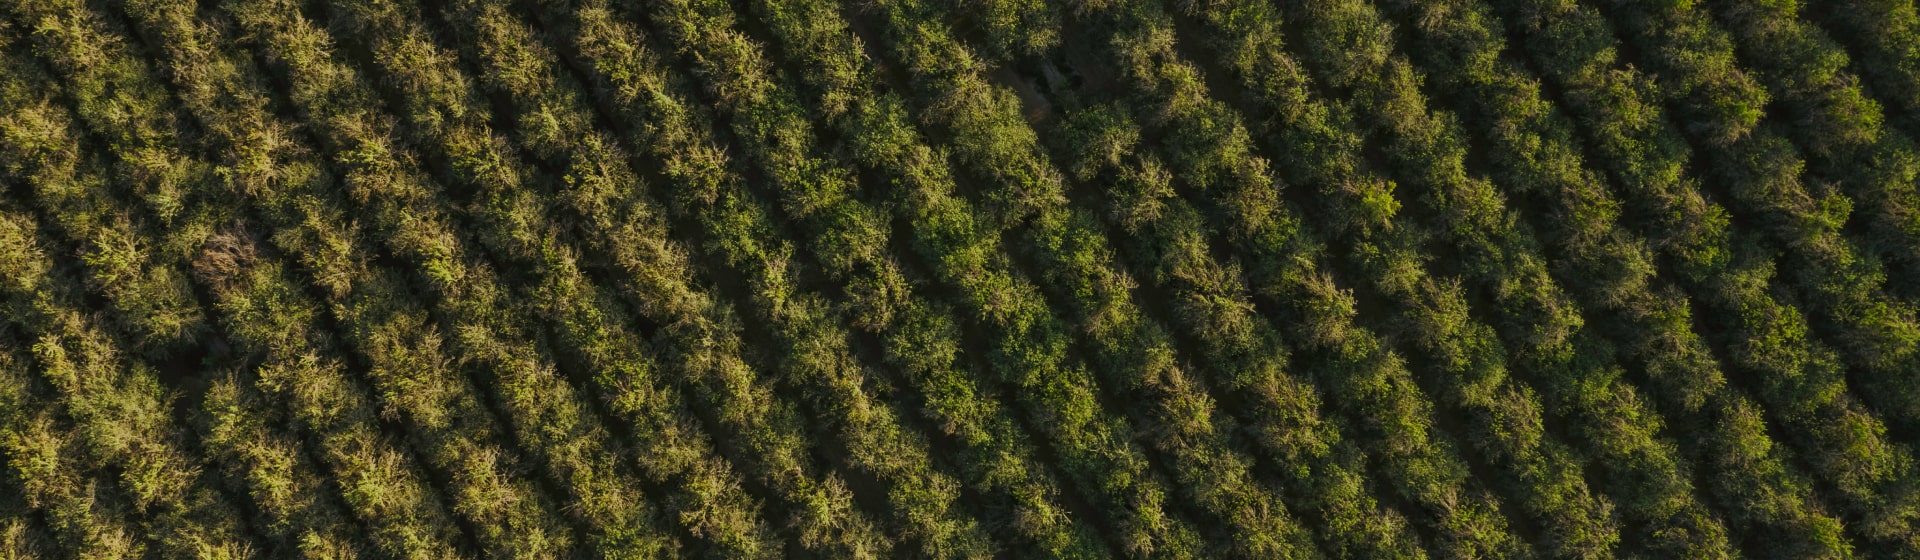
(1003, 278)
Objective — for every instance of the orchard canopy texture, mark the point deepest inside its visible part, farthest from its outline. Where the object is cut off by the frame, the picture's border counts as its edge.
(959, 279)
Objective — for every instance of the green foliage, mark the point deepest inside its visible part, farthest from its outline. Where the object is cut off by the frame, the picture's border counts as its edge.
(48, 472)
(958, 279)
(1842, 131)
(1800, 376)
(121, 412)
